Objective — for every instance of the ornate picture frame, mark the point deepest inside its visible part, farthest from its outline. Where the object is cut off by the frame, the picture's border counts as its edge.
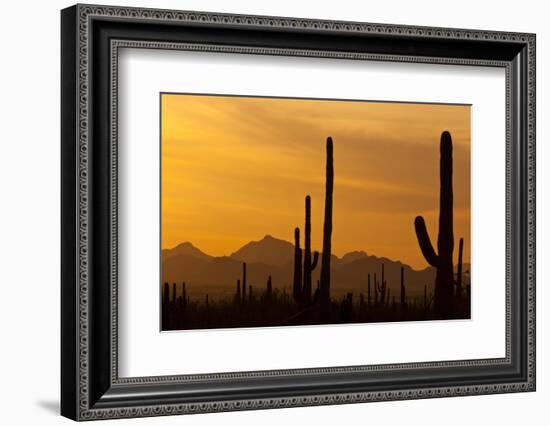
(91, 37)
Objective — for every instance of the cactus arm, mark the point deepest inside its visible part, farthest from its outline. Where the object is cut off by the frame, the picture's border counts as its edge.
(315, 260)
(424, 242)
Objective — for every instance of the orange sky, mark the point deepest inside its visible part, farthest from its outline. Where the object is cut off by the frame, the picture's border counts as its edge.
(237, 168)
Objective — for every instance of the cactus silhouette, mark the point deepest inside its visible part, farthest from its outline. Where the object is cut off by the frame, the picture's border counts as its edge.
(327, 233)
(459, 269)
(269, 289)
(403, 303)
(183, 294)
(309, 264)
(297, 283)
(238, 292)
(368, 290)
(443, 260)
(174, 293)
(166, 294)
(375, 290)
(382, 287)
(244, 283)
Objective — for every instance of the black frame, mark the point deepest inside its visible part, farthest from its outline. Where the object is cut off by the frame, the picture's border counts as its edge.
(90, 386)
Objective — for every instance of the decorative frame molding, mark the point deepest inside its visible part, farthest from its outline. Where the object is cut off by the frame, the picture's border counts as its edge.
(91, 37)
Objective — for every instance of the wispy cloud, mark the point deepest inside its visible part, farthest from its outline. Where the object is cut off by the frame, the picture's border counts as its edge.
(235, 168)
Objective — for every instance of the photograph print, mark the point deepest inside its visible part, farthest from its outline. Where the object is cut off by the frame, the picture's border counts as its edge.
(281, 212)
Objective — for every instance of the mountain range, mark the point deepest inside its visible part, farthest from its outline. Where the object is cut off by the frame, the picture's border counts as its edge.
(275, 257)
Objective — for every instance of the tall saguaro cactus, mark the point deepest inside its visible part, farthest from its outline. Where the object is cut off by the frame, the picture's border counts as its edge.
(443, 259)
(327, 233)
(297, 284)
(309, 264)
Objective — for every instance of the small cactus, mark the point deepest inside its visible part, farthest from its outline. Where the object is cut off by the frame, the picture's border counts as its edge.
(238, 292)
(403, 295)
(166, 294)
(269, 289)
(183, 293)
(368, 290)
(297, 283)
(382, 287)
(244, 282)
(375, 290)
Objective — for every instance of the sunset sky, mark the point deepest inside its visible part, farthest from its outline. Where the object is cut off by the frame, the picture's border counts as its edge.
(237, 168)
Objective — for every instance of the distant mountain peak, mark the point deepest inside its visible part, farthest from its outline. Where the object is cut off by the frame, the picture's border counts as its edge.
(185, 248)
(268, 250)
(186, 244)
(353, 255)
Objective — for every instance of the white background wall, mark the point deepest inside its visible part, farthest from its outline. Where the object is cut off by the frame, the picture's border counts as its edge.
(29, 211)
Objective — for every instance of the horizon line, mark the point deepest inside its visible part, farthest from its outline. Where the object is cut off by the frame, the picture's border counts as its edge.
(332, 254)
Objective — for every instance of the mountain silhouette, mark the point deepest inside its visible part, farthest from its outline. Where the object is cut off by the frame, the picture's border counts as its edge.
(268, 250)
(272, 256)
(186, 249)
(353, 255)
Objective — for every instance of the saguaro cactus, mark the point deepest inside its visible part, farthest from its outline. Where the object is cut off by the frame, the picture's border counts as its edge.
(244, 282)
(403, 303)
(368, 290)
(309, 265)
(375, 290)
(297, 284)
(166, 294)
(459, 269)
(327, 233)
(174, 293)
(238, 292)
(183, 294)
(382, 288)
(443, 259)
(269, 289)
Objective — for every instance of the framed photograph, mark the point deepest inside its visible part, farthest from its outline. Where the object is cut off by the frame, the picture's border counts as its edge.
(263, 212)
